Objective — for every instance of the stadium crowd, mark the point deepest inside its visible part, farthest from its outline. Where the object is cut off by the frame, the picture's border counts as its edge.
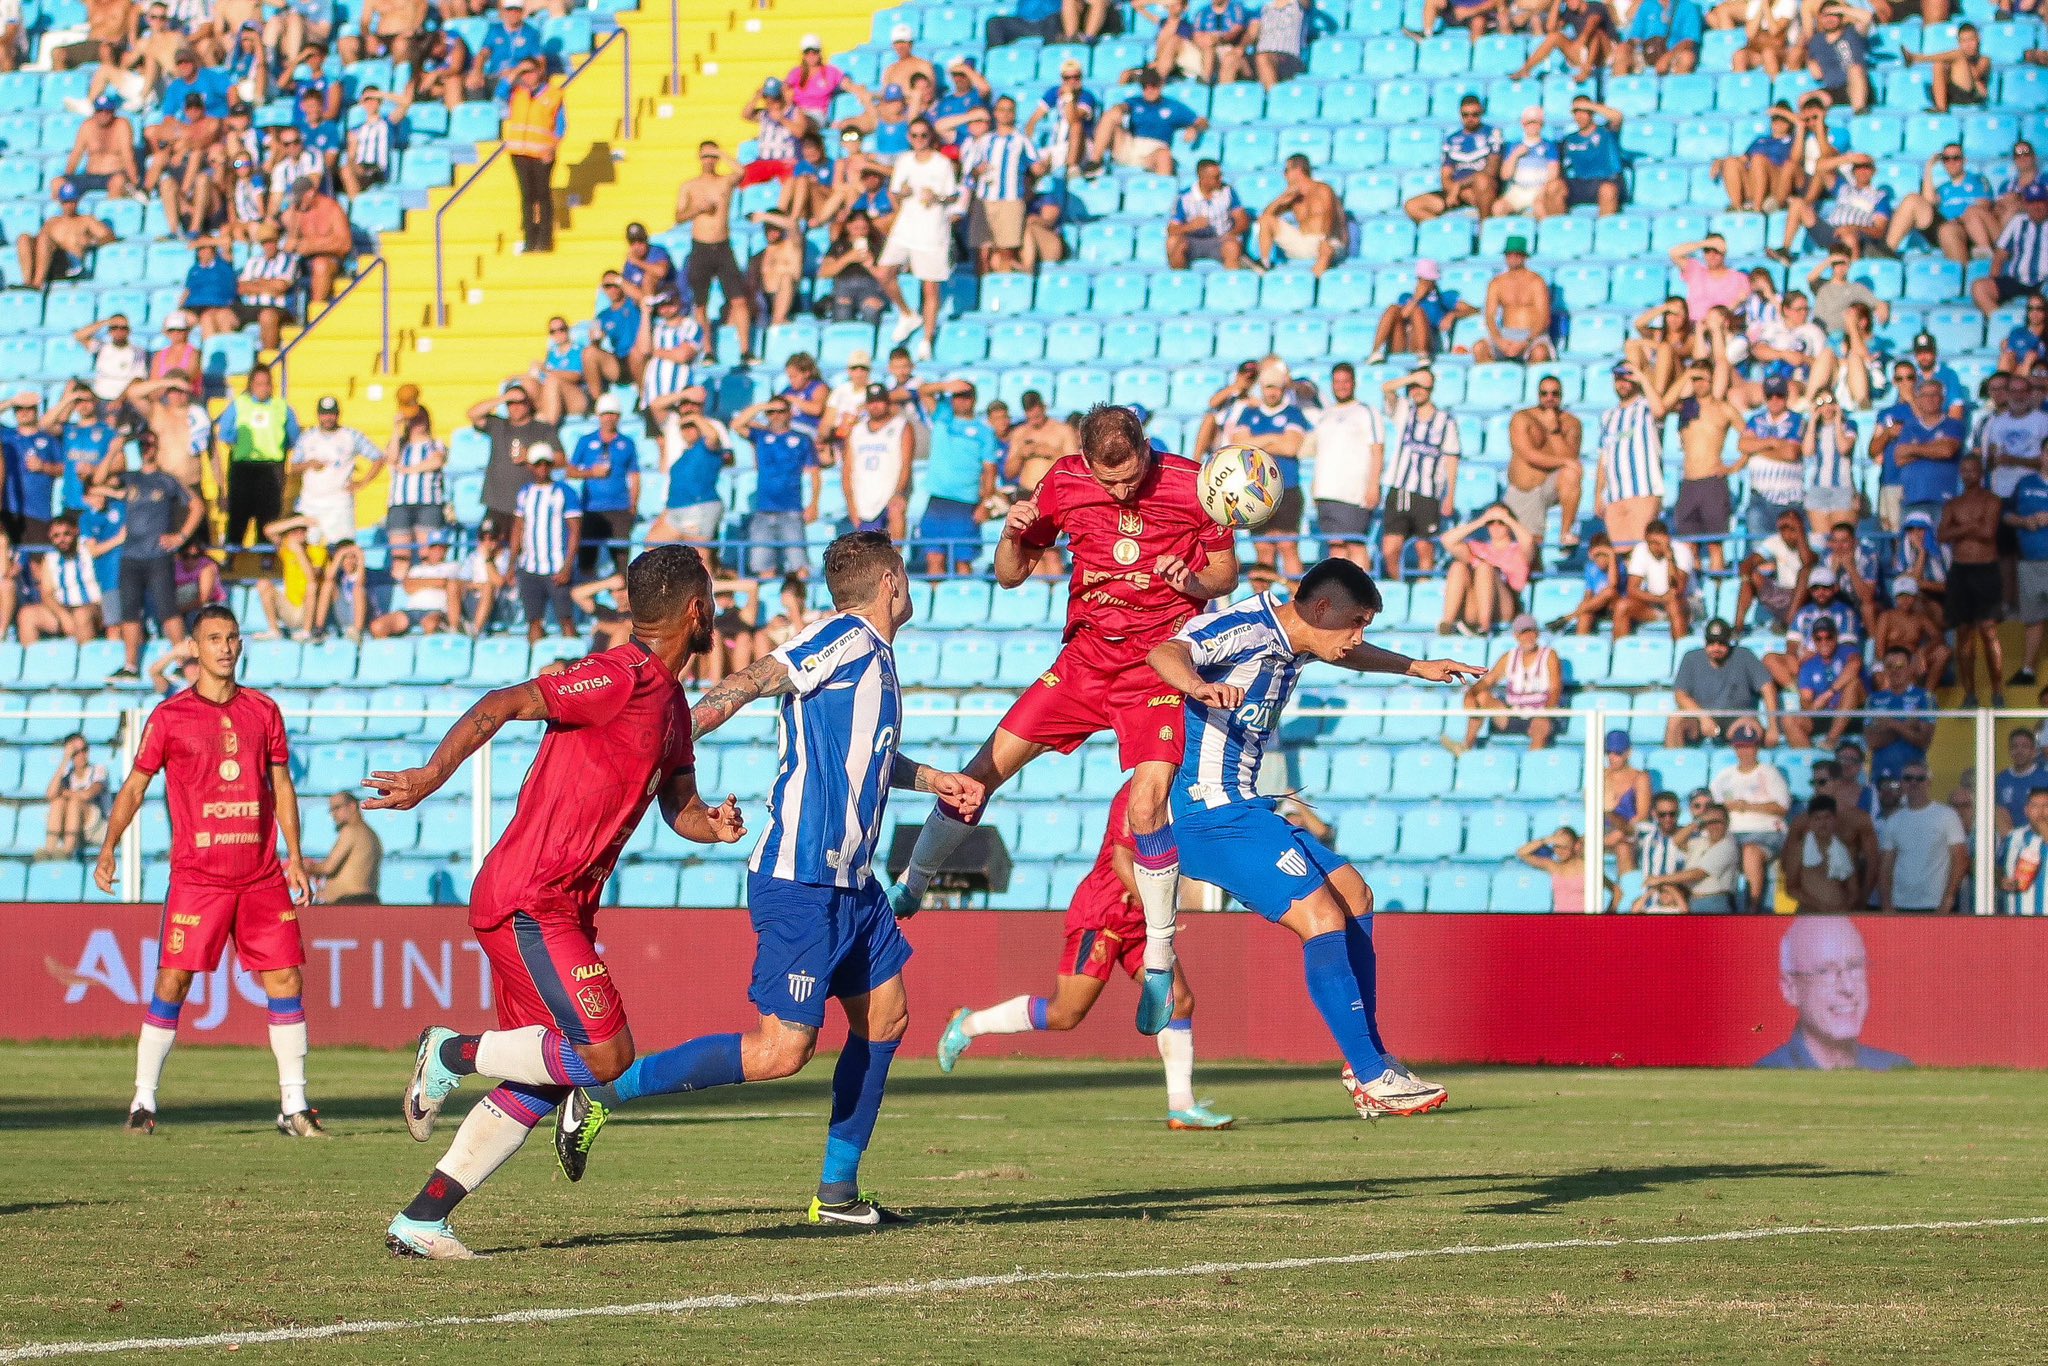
(1868, 512)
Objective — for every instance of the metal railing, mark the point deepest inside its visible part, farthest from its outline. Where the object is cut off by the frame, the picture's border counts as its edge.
(382, 269)
(618, 36)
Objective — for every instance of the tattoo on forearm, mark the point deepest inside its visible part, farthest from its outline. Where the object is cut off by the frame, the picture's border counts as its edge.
(763, 678)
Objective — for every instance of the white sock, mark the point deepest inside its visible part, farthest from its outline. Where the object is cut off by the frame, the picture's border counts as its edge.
(1011, 1017)
(1177, 1051)
(936, 842)
(1158, 888)
(152, 1046)
(487, 1137)
(513, 1055)
(288, 1046)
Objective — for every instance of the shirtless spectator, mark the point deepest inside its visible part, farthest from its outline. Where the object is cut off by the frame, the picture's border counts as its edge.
(1419, 323)
(317, 232)
(58, 249)
(103, 153)
(705, 203)
(1957, 75)
(904, 62)
(1580, 31)
(776, 271)
(1822, 874)
(1705, 507)
(1517, 312)
(1319, 232)
(1976, 590)
(1468, 175)
(1035, 443)
(387, 28)
(181, 165)
(1545, 470)
(139, 74)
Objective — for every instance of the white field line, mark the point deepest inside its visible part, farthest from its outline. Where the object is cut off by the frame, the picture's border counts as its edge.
(43, 1351)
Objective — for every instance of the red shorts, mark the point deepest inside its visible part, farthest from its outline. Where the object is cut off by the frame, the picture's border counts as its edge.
(762, 171)
(1103, 935)
(545, 970)
(199, 919)
(1096, 685)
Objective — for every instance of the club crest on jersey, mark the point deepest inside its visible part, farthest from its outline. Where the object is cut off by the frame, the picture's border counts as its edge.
(230, 769)
(1129, 523)
(801, 985)
(596, 1004)
(1125, 551)
(1292, 863)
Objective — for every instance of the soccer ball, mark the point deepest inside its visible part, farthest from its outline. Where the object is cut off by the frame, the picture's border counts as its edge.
(1240, 487)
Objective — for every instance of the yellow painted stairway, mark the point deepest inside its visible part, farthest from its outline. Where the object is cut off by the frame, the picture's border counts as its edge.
(498, 301)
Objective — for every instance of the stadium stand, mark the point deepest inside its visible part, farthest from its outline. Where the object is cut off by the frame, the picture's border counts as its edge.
(1101, 316)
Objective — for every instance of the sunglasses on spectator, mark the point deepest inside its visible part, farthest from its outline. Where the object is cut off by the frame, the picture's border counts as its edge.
(1914, 777)
(556, 327)
(1951, 156)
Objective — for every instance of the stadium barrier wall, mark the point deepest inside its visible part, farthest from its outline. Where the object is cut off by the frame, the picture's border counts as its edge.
(1586, 990)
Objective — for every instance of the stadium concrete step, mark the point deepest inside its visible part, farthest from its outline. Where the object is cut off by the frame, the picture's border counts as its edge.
(497, 300)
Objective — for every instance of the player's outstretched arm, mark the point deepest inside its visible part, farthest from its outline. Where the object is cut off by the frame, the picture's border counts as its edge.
(765, 677)
(403, 790)
(127, 801)
(1371, 659)
(685, 813)
(964, 794)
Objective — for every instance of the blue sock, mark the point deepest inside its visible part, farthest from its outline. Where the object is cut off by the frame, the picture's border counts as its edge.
(1365, 970)
(1038, 1008)
(1156, 848)
(567, 1066)
(163, 1014)
(1336, 995)
(857, 1085)
(713, 1060)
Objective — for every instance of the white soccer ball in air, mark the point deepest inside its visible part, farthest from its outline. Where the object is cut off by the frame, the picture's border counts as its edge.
(1240, 487)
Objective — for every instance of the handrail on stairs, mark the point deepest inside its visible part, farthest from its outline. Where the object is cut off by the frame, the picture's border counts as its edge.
(382, 270)
(617, 35)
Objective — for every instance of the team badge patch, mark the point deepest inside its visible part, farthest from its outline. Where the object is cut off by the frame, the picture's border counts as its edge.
(594, 1002)
(1129, 523)
(230, 769)
(1126, 552)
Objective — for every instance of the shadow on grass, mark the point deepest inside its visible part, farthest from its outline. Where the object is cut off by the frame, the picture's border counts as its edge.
(1500, 1193)
(45, 1206)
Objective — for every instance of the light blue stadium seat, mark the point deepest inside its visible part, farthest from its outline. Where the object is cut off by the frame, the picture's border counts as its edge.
(1555, 772)
(1176, 294)
(1080, 388)
(1662, 187)
(1460, 887)
(1398, 888)
(1245, 337)
(1301, 341)
(1009, 293)
(1584, 658)
(1287, 290)
(647, 884)
(1073, 341)
(1011, 343)
(385, 661)
(1426, 771)
(1489, 772)
(1349, 104)
(1519, 888)
(1145, 385)
(1596, 336)
(1386, 240)
(1230, 291)
(1620, 236)
(1413, 145)
(1583, 286)
(1642, 660)
(1430, 832)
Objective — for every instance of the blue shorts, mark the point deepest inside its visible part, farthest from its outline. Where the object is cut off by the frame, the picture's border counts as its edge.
(817, 942)
(1250, 851)
(948, 526)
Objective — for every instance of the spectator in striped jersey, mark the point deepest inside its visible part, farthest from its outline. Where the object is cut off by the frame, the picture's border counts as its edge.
(78, 795)
(1071, 113)
(1628, 484)
(268, 281)
(1208, 222)
(2019, 258)
(67, 589)
(2022, 881)
(1860, 211)
(291, 161)
(1421, 482)
(1279, 41)
(1773, 438)
(670, 343)
(1469, 173)
(418, 490)
(996, 166)
(367, 161)
(546, 530)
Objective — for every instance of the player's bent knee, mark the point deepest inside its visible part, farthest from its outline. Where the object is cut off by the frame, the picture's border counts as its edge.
(609, 1059)
(172, 984)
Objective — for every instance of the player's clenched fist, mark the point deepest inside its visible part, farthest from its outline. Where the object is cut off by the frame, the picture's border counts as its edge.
(1022, 514)
(103, 869)
(1222, 695)
(963, 793)
(725, 822)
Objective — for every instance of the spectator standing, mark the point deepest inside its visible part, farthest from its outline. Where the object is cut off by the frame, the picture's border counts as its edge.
(1278, 39)
(1899, 740)
(1976, 589)
(705, 203)
(2019, 258)
(671, 343)
(925, 185)
(511, 434)
(2024, 891)
(1628, 485)
(78, 797)
(1716, 682)
(532, 132)
(1821, 873)
(90, 442)
(2024, 776)
(1276, 424)
(1827, 455)
(546, 527)
(1773, 439)
(325, 459)
(35, 464)
(875, 474)
(1208, 222)
(258, 429)
(784, 459)
(2012, 437)
(695, 451)
(604, 470)
(1468, 174)
(352, 871)
(1422, 474)
(1705, 507)
(1926, 850)
(161, 515)
(995, 164)
(1527, 679)
(1348, 443)
(2026, 519)
(1757, 799)
(1545, 469)
(960, 478)
(417, 506)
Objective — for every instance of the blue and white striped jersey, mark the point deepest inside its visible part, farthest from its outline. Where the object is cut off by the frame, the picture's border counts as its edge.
(370, 143)
(545, 510)
(412, 485)
(836, 746)
(1657, 854)
(1006, 155)
(2020, 860)
(1631, 451)
(662, 375)
(1830, 465)
(1245, 647)
(2025, 244)
(76, 580)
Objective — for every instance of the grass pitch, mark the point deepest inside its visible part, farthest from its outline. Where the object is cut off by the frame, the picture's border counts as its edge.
(217, 1224)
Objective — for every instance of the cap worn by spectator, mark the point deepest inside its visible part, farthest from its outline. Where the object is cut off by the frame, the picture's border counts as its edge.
(891, 92)
(2036, 193)
(407, 398)
(1426, 269)
(1719, 632)
(1516, 246)
(540, 453)
(1822, 577)
(772, 88)
(902, 33)
(609, 404)
(636, 232)
(1907, 586)
(1617, 742)
(1522, 623)
(1070, 67)
(810, 43)
(878, 391)
(68, 193)
(1923, 341)
(1745, 733)
(1534, 111)
(179, 321)
(328, 405)
(859, 360)
(1623, 370)
(1151, 80)
(1141, 412)
(1776, 387)
(107, 102)
(27, 398)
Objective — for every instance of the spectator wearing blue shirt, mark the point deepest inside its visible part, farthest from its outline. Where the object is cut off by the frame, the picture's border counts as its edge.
(211, 290)
(959, 477)
(605, 470)
(784, 459)
(2026, 517)
(1928, 365)
(1949, 189)
(1830, 680)
(316, 131)
(1208, 223)
(2028, 341)
(88, 439)
(693, 508)
(1762, 174)
(1663, 36)
(1895, 740)
(1030, 19)
(102, 526)
(306, 74)
(1139, 132)
(1469, 173)
(1838, 56)
(969, 92)
(1071, 115)
(648, 269)
(1420, 321)
(212, 84)
(35, 462)
(506, 44)
(1925, 452)
(1592, 156)
(614, 331)
(1219, 33)
(1275, 423)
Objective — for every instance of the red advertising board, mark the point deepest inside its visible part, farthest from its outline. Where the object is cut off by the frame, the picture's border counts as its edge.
(1598, 990)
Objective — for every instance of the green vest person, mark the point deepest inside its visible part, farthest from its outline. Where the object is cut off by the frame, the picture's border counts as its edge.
(259, 429)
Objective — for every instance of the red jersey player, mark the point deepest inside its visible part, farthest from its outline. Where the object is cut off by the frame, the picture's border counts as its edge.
(618, 736)
(228, 783)
(1105, 931)
(1146, 558)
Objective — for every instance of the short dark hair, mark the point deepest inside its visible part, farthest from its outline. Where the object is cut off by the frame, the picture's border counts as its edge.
(854, 565)
(1109, 426)
(1208, 161)
(1657, 525)
(1298, 162)
(1656, 797)
(69, 519)
(1820, 804)
(214, 611)
(1340, 583)
(662, 580)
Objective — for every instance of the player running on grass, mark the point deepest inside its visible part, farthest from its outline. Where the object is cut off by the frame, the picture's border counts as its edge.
(1237, 668)
(823, 923)
(1146, 558)
(618, 736)
(228, 784)
(1105, 930)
